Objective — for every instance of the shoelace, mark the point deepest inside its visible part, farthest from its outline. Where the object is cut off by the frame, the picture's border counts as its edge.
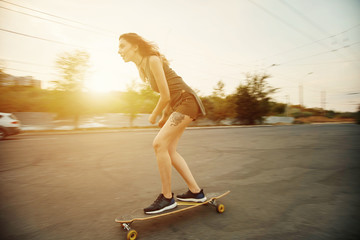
(158, 200)
(189, 193)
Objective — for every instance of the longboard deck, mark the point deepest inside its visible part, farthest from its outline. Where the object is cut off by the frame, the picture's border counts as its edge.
(139, 215)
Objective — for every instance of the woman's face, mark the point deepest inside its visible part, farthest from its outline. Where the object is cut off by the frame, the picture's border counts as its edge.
(127, 50)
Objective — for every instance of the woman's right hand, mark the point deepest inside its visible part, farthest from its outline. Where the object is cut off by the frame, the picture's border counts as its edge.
(162, 121)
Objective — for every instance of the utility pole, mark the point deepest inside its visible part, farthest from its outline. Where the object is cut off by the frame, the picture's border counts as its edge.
(287, 105)
(301, 95)
(301, 90)
(323, 101)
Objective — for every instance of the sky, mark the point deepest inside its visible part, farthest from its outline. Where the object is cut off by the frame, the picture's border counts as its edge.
(310, 43)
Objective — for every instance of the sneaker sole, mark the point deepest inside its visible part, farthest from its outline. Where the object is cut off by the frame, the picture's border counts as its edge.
(174, 205)
(200, 200)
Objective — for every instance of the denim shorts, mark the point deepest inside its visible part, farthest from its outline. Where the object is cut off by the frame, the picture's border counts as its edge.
(188, 105)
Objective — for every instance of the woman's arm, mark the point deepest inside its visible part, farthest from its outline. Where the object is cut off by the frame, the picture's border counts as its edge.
(165, 115)
(167, 110)
(156, 67)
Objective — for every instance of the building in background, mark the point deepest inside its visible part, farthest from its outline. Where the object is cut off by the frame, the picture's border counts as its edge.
(10, 80)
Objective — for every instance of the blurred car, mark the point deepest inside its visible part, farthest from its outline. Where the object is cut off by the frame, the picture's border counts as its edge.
(9, 125)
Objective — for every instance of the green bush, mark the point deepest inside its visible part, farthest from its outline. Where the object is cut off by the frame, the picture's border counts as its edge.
(357, 117)
(302, 114)
(347, 115)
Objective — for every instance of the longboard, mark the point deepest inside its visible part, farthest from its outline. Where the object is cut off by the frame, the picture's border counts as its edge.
(139, 215)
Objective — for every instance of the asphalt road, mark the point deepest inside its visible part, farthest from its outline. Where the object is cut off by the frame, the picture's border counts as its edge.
(286, 182)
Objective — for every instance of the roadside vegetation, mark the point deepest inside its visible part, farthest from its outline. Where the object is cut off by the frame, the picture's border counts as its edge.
(248, 104)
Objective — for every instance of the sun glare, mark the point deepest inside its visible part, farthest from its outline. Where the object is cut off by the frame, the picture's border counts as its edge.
(101, 82)
(98, 86)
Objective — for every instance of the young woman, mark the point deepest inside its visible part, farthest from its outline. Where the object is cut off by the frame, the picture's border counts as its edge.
(175, 97)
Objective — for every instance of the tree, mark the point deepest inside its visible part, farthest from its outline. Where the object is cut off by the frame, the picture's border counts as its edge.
(219, 89)
(252, 99)
(73, 67)
(218, 107)
(132, 102)
(148, 97)
(138, 98)
(277, 108)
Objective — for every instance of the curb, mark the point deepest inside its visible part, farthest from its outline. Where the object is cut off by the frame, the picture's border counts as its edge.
(155, 129)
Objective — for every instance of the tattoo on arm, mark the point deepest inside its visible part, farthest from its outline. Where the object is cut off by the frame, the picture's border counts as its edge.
(176, 118)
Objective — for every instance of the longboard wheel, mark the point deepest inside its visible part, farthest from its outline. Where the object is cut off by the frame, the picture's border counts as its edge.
(131, 235)
(220, 208)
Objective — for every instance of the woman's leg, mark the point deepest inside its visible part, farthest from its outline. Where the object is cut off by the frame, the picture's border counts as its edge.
(181, 166)
(171, 131)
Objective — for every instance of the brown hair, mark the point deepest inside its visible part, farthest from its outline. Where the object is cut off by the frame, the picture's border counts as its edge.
(146, 48)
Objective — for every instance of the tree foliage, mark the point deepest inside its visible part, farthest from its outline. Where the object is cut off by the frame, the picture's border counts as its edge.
(219, 106)
(357, 116)
(247, 105)
(219, 90)
(73, 67)
(252, 99)
(139, 98)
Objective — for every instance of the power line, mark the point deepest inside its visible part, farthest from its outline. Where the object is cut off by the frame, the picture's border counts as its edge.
(49, 40)
(318, 54)
(286, 23)
(314, 24)
(39, 38)
(320, 63)
(27, 14)
(280, 19)
(22, 62)
(313, 42)
(52, 15)
(21, 70)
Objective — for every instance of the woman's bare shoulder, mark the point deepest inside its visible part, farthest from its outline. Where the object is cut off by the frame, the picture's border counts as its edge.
(154, 59)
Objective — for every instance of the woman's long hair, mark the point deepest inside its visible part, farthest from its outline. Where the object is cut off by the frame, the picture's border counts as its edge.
(146, 48)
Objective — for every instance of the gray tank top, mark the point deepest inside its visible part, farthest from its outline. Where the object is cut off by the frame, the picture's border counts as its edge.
(176, 86)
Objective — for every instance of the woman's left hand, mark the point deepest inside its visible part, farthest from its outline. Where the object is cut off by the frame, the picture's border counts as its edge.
(152, 118)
